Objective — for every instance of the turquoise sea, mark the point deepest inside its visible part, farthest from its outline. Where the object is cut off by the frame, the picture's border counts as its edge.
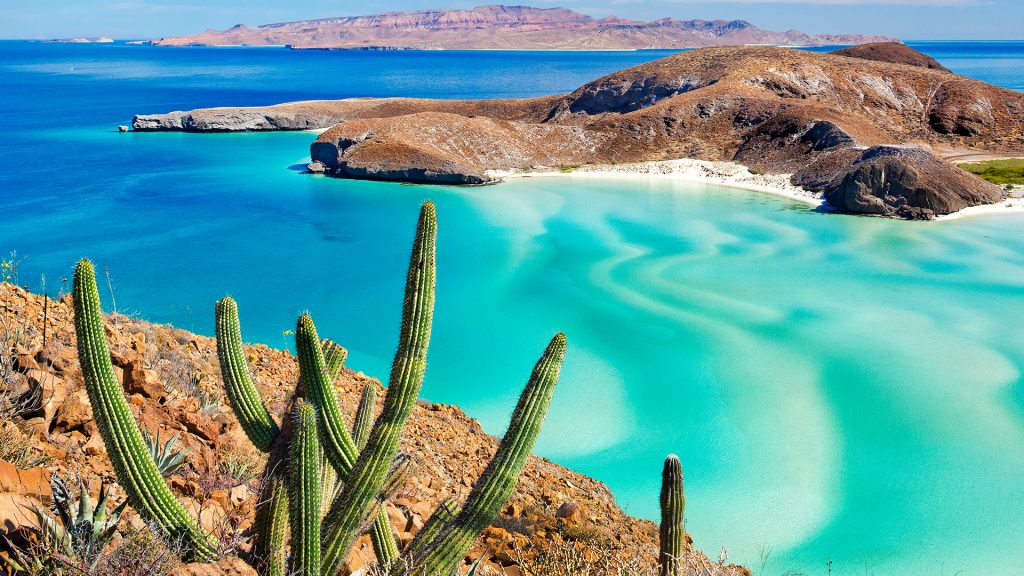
(838, 388)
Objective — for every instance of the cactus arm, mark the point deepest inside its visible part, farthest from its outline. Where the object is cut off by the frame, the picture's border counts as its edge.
(385, 547)
(364, 415)
(245, 399)
(497, 483)
(136, 470)
(334, 357)
(338, 445)
(368, 475)
(442, 516)
(304, 459)
(672, 533)
(272, 527)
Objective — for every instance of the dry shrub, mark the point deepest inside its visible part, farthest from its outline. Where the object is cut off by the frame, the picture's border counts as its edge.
(16, 447)
(141, 552)
(241, 462)
(575, 559)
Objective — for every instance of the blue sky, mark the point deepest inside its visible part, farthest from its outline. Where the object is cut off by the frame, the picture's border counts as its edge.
(906, 19)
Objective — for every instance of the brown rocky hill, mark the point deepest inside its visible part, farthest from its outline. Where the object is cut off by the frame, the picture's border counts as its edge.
(173, 384)
(892, 52)
(505, 27)
(777, 110)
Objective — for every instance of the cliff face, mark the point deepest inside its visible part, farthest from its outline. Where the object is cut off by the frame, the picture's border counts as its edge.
(504, 27)
(173, 384)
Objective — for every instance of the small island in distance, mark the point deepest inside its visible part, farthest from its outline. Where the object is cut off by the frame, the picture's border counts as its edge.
(498, 27)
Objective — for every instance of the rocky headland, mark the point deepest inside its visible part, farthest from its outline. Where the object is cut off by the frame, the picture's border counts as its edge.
(866, 128)
(172, 380)
(498, 27)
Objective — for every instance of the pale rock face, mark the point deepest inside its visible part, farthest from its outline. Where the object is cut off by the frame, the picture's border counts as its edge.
(498, 27)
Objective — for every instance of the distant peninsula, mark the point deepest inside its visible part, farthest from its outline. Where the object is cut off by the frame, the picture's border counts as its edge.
(498, 27)
(865, 133)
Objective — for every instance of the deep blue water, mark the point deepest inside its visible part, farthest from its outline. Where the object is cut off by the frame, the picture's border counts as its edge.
(837, 387)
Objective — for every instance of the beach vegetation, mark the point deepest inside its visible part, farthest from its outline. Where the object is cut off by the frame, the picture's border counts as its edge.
(1009, 171)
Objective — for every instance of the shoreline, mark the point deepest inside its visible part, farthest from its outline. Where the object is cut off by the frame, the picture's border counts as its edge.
(727, 174)
(732, 175)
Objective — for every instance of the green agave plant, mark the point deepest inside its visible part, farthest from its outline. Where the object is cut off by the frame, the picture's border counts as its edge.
(168, 460)
(73, 536)
(326, 482)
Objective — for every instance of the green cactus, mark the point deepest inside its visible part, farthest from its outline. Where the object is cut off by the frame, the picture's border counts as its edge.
(364, 415)
(304, 491)
(672, 532)
(138, 473)
(318, 385)
(443, 515)
(368, 476)
(315, 461)
(245, 399)
(496, 484)
(272, 527)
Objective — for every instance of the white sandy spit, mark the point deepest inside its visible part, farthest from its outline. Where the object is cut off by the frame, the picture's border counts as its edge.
(729, 174)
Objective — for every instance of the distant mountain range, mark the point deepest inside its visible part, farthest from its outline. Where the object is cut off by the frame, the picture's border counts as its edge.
(499, 27)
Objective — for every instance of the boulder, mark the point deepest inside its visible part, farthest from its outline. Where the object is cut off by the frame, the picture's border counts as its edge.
(906, 182)
(141, 380)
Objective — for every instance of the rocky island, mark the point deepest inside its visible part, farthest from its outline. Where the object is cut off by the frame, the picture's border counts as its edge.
(498, 27)
(860, 127)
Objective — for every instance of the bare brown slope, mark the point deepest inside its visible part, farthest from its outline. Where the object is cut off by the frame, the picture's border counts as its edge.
(504, 27)
(893, 52)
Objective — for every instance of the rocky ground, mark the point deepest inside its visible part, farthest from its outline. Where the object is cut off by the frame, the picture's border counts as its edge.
(172, 381)
(820, 117)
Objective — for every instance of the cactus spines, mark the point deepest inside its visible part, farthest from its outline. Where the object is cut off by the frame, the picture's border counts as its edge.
(672, 533)
(385, 546)
(364, 415)
(304, 460)
(147, 491)
(334, 358)
(272, 527)
(496, 484)
(245, 399)
(371, 469)
(442, 517)
(319, 387)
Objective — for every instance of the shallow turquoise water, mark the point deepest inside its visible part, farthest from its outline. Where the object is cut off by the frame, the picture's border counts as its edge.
(837, 387)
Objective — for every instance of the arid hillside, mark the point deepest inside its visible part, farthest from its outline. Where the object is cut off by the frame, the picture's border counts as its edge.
(504, 27)
(173, 383)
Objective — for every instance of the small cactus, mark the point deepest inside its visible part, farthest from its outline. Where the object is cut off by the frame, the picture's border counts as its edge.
(672, 533)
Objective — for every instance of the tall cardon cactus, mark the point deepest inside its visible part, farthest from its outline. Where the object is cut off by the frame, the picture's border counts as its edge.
(293, 534)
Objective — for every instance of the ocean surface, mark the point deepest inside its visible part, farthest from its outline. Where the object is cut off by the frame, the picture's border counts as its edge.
(838, 388)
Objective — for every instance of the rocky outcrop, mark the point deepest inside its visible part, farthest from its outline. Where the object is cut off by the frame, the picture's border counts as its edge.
(321, 114)
(777, 110)
(504, 27)
(449, 448)
(907, 182)
(447, 148)
(892, 52)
